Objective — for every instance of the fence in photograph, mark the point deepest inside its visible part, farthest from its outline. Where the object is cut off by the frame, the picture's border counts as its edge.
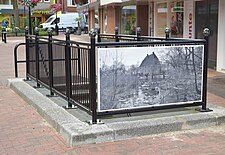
(103, 78)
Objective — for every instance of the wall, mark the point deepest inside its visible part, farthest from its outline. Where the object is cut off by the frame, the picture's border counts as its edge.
(221, 38)
(142, 19)
(110, 19)
(189, 19)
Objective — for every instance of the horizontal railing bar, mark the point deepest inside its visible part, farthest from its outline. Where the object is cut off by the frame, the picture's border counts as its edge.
(125, 111)
(200, 41)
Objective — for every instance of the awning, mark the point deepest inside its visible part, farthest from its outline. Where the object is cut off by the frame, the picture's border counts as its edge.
(11, 11)
(89, 6)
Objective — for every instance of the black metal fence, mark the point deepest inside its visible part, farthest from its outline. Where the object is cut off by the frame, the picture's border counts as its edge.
(68, 68)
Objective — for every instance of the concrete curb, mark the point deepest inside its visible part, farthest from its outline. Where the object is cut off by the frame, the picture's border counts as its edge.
(76, 132)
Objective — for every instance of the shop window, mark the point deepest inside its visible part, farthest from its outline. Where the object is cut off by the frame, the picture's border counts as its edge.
(128, 23)
(105, 20)
(170, 16)
(161, 16)
(176, 19)
(5, 1)
(71, 3)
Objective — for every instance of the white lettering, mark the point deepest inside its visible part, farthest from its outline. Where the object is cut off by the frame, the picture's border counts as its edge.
(190, 25)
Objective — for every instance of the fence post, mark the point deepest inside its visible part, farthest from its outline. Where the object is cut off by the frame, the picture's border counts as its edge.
(92, 69)
(206, 33)
(116, 34)
(37, 56)
(167, 32)
(50, 61)
(138, 34)
(98, 35)
(68, 67)
(27, 41)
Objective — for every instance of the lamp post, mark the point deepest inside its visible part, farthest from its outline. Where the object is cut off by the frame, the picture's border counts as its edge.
(56, 25)
(29, 18)
(29, 4)
(55, 8)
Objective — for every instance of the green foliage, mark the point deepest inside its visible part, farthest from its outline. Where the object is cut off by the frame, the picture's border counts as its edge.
(78, 19)
(45, 33)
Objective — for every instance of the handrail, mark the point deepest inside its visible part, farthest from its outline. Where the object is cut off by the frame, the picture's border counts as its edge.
(199, 41)
(15, 58)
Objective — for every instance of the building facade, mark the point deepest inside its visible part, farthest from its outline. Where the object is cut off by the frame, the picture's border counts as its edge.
(39, 13)
(185, 18)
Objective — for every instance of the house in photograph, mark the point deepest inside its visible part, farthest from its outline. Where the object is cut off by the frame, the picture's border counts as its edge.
(150, 66)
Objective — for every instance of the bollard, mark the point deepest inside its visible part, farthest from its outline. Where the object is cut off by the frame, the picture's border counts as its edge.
(4, 34)
(167, 32)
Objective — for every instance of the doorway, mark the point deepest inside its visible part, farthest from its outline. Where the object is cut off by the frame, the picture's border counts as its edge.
(207, 16)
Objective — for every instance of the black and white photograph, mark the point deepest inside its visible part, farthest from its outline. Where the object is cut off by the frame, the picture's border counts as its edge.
(136, 77)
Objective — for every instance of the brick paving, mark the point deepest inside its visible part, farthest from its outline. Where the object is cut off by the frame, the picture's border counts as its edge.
(23, 131)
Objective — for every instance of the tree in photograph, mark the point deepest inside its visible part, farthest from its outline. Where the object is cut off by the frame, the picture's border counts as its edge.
(184, 73)
(196, 68)
(117, 68)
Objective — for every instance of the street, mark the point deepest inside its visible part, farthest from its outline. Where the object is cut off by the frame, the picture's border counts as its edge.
(23, 131)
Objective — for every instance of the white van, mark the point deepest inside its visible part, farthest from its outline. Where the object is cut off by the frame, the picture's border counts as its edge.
(64, 21)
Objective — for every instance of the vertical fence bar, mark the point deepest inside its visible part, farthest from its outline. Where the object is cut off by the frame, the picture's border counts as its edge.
(206, 33)
(116, 34)
(92, 76)
(68, 68)
(15, 61)
(79, 61)
(37, 56)
(98, 35)
(27, 41)
(50, 61)
(167, 32)
(138, 34)
(29, 20)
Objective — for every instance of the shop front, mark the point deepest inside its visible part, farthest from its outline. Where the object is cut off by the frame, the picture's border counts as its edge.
(185, 18)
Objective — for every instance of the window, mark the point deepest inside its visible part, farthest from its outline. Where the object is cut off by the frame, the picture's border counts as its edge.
(128, 25)
(5, 1)
(170, 14)
(176, 19)
(161, 16)
(71, 3)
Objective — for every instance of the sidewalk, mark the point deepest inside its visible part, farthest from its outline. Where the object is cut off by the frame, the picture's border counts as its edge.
(23, 131)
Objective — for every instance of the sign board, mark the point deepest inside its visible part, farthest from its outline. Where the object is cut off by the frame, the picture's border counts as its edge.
(137, 77)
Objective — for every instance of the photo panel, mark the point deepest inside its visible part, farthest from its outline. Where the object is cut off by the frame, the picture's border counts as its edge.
(136, 77)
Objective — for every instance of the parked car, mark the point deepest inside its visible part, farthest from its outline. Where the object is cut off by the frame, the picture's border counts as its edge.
(64, 21)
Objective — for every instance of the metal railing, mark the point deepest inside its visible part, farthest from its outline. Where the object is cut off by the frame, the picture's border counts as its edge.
(68, 68)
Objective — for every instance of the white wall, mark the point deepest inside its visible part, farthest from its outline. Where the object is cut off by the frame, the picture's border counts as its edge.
(221, 37)
(189, 19)
(105, 2)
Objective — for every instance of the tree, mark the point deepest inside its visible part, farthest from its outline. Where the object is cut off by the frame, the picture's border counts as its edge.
(16, 13)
